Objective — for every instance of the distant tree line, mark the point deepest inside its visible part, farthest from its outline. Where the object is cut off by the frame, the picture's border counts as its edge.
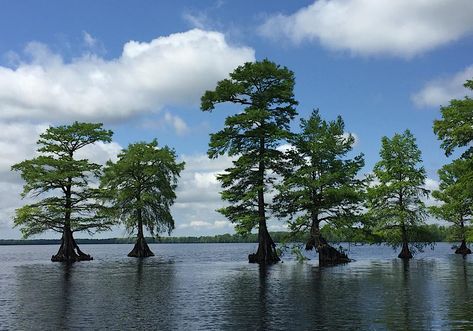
(427, 233)
(308, 179)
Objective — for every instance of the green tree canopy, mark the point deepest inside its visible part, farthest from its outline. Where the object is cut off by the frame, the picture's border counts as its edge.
(395, 196)
(70, 203)
(265, 91)
(455, 129)
(321, 186)
(456, 195)
(141, 188)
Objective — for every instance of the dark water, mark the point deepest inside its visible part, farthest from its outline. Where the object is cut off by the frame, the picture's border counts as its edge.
(210, 286)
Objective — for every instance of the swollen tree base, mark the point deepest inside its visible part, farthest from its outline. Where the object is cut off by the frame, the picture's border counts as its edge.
(141, 249)
(463, 249)
(69, 250)
(328, 255)
(266, 253)
(405, 252)
(69, 258)
(261, 257)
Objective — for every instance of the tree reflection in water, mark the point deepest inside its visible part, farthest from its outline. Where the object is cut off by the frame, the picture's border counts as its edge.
(127, 294)
(419, 294)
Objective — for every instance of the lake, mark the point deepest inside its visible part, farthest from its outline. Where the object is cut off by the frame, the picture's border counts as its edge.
(211, 286)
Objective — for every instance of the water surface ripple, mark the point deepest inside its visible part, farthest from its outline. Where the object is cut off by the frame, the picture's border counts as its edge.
(211, 286)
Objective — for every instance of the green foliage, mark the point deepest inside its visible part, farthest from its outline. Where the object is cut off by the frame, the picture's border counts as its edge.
(350, 234)
(455, 129)
(455, 193)
(70, 200)
(395, 196)
(321, 185)
(141, 186)
(297, 252)
(265, 90)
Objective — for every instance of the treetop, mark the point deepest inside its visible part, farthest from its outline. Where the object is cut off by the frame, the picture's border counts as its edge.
(66, 139)
(254, 84)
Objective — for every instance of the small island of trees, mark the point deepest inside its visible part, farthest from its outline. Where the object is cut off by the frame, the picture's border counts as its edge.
(309, 179)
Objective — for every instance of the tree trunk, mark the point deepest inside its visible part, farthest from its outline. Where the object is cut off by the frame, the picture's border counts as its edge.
(141, 248)
(405, 252)
(69, 250)
(328, 255)
(266, 253)
(463, 249)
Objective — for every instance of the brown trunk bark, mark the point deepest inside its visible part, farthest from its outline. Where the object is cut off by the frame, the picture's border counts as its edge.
(405, 252)
(328, 255)
(463, 249)
(69, 250)
(266, 253)
(141, 248)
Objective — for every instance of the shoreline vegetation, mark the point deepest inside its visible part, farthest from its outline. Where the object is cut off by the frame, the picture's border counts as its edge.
(431, 233)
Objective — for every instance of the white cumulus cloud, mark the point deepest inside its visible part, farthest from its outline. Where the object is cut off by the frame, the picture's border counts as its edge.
(440, 91)
(402, 28)
(17, 143)
(198, 196)
(100, 152)
(177, 123)
(88, 39)
(168, 121)
(169, 70)
(198, 184)
(216, 225)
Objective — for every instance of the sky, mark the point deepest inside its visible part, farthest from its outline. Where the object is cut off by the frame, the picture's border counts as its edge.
(140, 67)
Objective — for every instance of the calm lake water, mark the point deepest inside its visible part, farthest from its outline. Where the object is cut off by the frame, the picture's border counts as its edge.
(211, 286)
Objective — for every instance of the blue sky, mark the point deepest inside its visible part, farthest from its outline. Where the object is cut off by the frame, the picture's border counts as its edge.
(140, 68)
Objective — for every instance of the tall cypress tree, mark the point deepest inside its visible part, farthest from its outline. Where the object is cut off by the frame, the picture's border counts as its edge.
(265, 91)
(141, 189)
(71, 203)
(395, 197)
(455, 130)
(321, 186)
(456, 195)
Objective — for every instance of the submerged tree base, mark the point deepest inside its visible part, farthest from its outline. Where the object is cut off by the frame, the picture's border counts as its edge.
(331, 256)
(328, 255)
(405, 252)
(463, 249)
(60, 257)
(69, 251)
(269, 259)
(266, 253)
(141, 249)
